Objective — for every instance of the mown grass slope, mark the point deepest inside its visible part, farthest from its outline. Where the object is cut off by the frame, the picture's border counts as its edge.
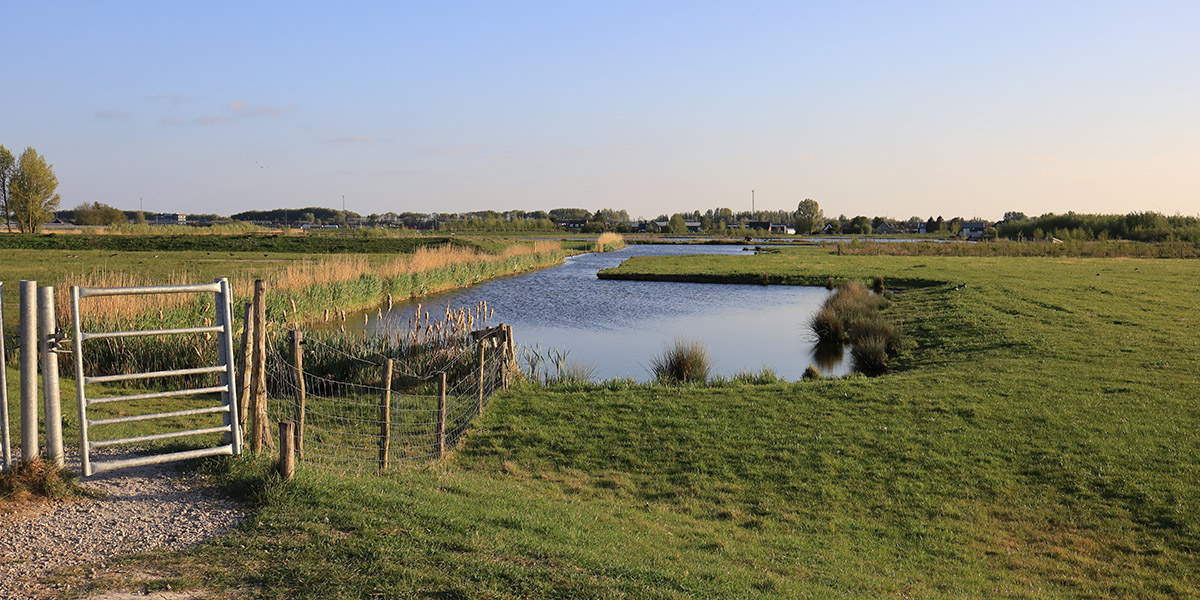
(1040, 441)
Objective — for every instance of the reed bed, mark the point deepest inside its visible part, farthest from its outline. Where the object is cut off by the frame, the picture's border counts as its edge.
(609, 241)
(301, 292)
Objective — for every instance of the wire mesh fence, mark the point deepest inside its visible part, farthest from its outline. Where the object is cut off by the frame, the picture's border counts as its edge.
(356, 416)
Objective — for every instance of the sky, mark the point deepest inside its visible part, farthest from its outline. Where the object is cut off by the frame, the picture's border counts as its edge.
(868, 107)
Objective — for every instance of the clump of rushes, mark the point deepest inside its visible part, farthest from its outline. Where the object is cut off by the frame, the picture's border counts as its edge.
(871, 354)
(682, 361)
(829, 284)
(877, 284)
(812, 373)
(852, 316)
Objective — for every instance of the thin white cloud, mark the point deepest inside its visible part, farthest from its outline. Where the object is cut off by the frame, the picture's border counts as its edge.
(112, 115)
(171, 121)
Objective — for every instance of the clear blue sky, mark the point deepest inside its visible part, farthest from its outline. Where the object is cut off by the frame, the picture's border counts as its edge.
(875, 108)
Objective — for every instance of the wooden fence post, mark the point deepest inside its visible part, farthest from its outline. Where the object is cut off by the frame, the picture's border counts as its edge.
(385, 416)
(247, 357)
(297, 340)
(441, 417)
(260, 434)
(287, 449)
(482, 349)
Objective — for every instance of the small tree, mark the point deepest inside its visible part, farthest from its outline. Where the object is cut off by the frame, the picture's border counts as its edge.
(8, 166)
(677, 224)
(808, 216)
(32, 196)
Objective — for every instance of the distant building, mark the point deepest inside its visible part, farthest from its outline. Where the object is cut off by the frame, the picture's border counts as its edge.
(973, 230)
(170, 219)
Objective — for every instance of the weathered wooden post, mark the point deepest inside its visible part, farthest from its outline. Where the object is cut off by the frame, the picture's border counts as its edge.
(260, 435)
(47, 343)
(247, 353)
(482, 350)
(296, 337)
(287, 450)
(385, 417)
(29, 368)
(441, 417)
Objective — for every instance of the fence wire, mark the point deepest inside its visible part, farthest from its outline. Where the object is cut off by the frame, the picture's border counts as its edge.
(345, 428)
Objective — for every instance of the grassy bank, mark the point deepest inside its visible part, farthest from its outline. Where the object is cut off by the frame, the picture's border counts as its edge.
(1038, 442)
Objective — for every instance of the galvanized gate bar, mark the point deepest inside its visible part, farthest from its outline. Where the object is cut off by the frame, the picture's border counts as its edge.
(224, 371)
(148, 395)
(156, 459)
(150, 332)
(175, 413)
(159, 436)
(153, 374)
(89, 292)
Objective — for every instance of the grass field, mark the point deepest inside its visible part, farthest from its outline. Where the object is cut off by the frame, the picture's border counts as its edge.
(1039, 441)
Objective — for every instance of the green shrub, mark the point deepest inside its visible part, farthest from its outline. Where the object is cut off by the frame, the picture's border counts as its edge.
(812, 373)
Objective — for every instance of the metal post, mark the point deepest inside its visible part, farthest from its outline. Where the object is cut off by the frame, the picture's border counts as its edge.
(29, 412)
(441, 417)
(47, 328)
(85, 463)
(385, 417)
(229, 377)
(297, 339)
(5, 440)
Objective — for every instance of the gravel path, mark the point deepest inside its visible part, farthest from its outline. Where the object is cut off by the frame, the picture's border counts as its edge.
(145, 508)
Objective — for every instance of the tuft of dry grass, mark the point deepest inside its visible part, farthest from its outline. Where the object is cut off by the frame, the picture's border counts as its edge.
(39, 479)
(609, 241)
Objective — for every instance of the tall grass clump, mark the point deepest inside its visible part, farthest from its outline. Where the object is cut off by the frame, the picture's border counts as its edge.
(852, 315)
(41, 479)
(609, 241)
(682, 361)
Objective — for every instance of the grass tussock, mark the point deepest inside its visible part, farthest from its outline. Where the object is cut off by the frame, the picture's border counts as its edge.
(681, 362)
(41, 480)
(852, 315)
(609, 241)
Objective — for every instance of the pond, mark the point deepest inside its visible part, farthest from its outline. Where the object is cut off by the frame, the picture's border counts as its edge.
(617, 326)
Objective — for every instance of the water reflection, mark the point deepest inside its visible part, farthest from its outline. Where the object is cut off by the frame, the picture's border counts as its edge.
(616, 326)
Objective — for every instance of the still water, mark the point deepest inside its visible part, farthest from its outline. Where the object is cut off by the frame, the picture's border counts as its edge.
(616, 326)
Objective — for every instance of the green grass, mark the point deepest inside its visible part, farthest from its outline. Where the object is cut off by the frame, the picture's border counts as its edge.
(1039, 441)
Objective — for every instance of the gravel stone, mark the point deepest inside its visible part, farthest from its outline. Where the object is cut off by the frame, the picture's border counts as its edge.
(145, 508)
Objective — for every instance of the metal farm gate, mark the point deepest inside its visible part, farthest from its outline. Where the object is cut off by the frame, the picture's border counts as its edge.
(232, 440)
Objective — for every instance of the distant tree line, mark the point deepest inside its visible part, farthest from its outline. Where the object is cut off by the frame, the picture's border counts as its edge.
(1137, 226)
